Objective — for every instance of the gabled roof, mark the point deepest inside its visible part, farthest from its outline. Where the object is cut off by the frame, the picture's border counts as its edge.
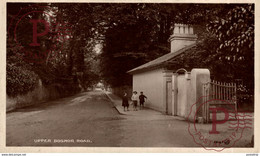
(160, 61)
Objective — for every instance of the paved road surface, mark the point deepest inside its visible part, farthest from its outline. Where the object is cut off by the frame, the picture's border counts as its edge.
(88, 119)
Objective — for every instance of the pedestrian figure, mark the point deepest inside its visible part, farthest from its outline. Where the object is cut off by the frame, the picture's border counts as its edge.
(134, 99)
(125, 103)
(142, 98)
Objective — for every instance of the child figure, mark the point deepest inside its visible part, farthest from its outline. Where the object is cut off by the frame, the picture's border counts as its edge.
(141, 99)
(125, 103)
(134, 99)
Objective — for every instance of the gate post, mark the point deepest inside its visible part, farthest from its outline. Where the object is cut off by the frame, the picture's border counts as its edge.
(198, 77)
(174, 93)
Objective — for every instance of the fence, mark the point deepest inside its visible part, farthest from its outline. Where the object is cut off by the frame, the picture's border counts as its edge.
(218, 94)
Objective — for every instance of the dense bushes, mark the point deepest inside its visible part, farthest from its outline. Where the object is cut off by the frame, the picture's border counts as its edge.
(19, 80)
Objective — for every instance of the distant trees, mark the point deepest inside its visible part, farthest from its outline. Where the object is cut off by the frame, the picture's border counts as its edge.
(135, 34)
(126, 47)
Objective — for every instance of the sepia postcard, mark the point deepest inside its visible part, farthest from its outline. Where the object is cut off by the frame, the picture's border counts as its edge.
(129, 76)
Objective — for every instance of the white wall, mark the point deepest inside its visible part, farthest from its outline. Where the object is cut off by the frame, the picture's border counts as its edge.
(151, 83)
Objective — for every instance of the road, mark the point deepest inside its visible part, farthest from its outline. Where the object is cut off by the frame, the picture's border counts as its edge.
(89, 119)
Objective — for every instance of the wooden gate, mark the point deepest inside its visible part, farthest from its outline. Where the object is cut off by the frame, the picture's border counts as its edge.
(218, 94)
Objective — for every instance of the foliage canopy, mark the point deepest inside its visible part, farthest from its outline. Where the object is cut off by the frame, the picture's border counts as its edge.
(131, 34)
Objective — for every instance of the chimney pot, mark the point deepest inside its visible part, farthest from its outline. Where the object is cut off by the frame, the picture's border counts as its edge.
(186, 29)
(191, 30)
(182, 36)
(176, 30)
(181, 30)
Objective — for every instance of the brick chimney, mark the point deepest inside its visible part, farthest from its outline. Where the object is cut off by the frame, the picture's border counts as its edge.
(182, 36)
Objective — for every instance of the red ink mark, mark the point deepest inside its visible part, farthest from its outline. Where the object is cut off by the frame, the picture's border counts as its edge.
(35, 34)
(221, 132)
(214, 119)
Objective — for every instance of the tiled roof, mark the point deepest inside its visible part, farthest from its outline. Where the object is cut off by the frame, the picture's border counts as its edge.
(159, 61)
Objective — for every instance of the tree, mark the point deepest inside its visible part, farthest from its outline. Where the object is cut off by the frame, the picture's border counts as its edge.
(59, 65)
(130, 41)
(228, 41)
(235, 31)
(226, 35)
(135, 33)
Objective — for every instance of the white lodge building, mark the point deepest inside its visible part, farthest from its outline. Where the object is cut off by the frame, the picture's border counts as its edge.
(168, 90)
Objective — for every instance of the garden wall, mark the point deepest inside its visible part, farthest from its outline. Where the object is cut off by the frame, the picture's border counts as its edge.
(40, 94)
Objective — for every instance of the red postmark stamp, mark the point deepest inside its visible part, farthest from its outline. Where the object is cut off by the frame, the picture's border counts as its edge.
(37, 35)
(223, 127)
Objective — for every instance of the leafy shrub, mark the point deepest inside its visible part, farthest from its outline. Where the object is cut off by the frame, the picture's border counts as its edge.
(19, 80)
